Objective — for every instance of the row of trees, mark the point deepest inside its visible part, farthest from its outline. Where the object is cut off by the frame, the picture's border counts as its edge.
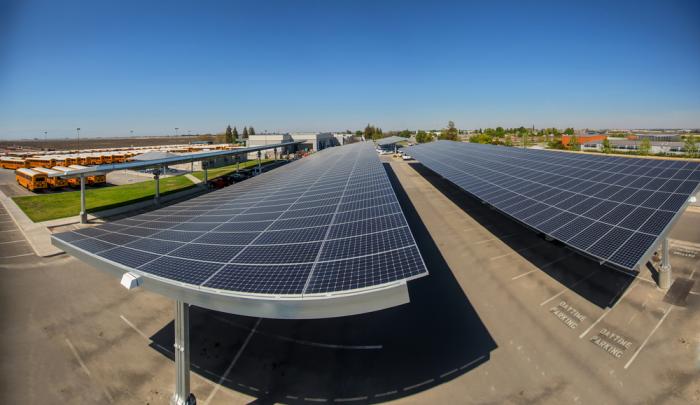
(231, 134)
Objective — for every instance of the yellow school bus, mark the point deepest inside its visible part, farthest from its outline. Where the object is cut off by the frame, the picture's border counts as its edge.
(95, 179)
(53, 182)
(30, 179)
(72, 181)
(41, 161)
(13, 163)
(118, 158)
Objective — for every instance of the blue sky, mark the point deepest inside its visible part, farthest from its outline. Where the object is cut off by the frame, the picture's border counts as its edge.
(109, 67)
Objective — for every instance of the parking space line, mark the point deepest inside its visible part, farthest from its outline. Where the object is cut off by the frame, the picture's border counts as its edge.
(517, 251)
(569, 288)
(544, 266)
(233, 362)
(634, 356)
(607, 310)
(12, 241)
(135, 328)
(410, 387)
(13, 256)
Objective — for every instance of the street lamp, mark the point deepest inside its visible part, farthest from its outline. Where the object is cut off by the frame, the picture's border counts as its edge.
(176, 131)
(78, 131)
(46, 142)
(132, 132)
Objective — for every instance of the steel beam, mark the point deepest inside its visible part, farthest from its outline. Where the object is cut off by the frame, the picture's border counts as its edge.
(665, 270)
(83, 211)
(182, 395)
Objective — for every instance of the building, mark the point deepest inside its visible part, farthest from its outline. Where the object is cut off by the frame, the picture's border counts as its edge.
(655, 137)
(626, 145)
(583, 138)
(268, 139)
(343, 138)
(314, 140)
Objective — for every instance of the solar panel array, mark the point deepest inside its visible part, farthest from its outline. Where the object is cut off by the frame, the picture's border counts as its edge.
(612, 208)
(390, 140)
(327, 223)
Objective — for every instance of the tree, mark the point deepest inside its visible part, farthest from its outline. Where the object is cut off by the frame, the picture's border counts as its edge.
(245, 132)
(481, 138)
(569, 131)
(235, 134)
(690, 146)
(229, 135)
(574, 143)
(451, 133)
(508, 142)
(645, 146)
(405, 133)
(423, 137)
(607, 148)
(251, 131)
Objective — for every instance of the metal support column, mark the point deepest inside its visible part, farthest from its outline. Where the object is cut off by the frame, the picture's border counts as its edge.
(205, 166)
(83, 211)
(275, 154)
(156, 176)
(259, 164)
(665, 270)
(238, 163)
(182, 395)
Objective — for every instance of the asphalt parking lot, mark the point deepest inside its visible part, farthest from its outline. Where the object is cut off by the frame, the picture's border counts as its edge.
(504, 317)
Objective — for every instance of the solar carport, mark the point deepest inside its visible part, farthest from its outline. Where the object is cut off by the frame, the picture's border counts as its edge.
(389, 141)
(322, 237)
(615, 210)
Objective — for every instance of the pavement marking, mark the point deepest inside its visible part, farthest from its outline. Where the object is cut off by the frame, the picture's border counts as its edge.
(634, 356)
(410, 387)
(13, 256)
(305, 342)
(135, 328)
(607, 311)
(524, 274)
(233, 362)
(12, 241)
(499, 237)
(517, 251)
(316, 399)
(475, 360)
(9, 230)
(569, 288)
(77, 356)
(544, 266)
(350, 399)
(383, 394)
(443, 375)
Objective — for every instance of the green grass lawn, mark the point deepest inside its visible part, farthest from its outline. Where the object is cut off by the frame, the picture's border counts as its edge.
(224, 170)
(45, 207)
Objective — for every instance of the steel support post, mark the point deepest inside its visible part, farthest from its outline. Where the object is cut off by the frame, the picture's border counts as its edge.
(665, 270)
(156, 176)
(83, 211)
(182, 395)
(259, 163)
(205, 166)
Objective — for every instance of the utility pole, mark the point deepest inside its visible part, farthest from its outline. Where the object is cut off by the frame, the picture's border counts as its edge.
(46, 142)
(78, 131)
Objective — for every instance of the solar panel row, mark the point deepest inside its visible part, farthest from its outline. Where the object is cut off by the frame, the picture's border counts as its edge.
(611, 208)
(325, 224)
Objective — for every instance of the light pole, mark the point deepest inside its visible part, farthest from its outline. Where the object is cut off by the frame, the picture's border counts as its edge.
(176, 131)
(46, 142)
(77, 130)
(131, 131)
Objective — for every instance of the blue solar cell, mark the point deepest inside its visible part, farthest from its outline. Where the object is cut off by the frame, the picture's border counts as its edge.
(128, 257)
(281, 279)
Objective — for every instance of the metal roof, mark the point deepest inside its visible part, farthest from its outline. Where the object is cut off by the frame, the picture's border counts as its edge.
(391, 140)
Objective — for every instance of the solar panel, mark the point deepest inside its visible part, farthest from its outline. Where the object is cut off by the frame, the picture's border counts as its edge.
(612, 208)
(329, 223)
(390, 140)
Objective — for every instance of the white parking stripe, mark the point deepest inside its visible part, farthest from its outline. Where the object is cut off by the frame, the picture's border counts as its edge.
(12, 257)
(607, 310)
(634, 356)
(233, 362)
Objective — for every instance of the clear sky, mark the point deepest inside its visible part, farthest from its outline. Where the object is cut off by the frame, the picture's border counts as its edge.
(109, 67)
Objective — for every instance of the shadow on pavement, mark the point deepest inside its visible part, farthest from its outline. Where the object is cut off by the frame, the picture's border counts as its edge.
(600, 285)
(368, 358)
